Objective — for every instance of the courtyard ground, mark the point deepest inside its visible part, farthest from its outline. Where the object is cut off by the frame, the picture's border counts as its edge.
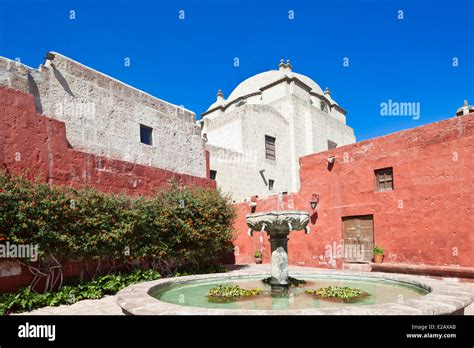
(108, 306)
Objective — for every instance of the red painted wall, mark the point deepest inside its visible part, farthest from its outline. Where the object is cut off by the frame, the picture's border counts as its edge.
(37, 144)
(427, 218)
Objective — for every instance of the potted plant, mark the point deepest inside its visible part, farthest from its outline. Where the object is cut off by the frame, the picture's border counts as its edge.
(258, 257)
(378, 254)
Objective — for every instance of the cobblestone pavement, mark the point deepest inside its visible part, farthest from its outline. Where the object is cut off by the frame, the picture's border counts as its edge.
(108, 306)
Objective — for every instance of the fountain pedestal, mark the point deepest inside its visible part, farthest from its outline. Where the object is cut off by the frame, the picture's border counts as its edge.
(278, 225)
(279, 245)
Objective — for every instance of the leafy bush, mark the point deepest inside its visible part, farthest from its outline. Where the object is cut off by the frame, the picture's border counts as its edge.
(26, 300)
(177, 227)
(258, 253)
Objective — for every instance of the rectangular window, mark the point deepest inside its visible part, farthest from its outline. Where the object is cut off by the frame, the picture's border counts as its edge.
(212, 174)
(269, 147)
(331, 145)
(146, 135)
(384, 179)
(271, 182)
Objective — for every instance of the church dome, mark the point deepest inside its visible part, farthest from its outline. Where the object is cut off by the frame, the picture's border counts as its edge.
(253, 85)
(257, 82)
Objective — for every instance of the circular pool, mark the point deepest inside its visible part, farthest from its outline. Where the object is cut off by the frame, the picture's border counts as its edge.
(193, 294)
(384, 293)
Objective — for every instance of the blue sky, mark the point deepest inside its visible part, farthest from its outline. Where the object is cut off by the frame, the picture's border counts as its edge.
(186, 61)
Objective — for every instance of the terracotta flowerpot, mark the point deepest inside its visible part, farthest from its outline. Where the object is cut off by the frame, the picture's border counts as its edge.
(378, 258)
(258, 260)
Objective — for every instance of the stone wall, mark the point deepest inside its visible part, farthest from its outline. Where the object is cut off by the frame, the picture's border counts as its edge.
(36, 146)
(103, 115)
(238, 172)
(426, 220)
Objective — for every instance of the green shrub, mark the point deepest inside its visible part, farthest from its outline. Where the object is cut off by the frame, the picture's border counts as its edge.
(27, 300)
(177, 227)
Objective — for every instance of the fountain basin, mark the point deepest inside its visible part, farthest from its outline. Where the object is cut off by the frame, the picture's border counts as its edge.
(440, 297)
(278, 221)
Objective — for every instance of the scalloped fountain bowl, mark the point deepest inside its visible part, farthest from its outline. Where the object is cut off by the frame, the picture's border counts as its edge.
(278, 221)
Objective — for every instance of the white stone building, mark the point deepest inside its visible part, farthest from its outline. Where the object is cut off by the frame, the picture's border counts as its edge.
(256, 135)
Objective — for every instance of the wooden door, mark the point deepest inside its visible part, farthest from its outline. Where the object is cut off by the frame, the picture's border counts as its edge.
(358, 232)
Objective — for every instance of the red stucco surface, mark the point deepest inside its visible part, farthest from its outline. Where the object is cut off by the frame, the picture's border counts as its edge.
(427, 218)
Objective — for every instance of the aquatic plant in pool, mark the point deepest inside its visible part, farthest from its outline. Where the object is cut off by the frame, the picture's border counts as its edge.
(344, 293)
(229, 293)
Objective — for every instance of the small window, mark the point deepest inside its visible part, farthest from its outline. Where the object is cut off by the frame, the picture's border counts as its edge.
(331, 145)
(146, 135)
(269, 147)
(384, 179)
(271, 182)
(212, 174)
(324, 107)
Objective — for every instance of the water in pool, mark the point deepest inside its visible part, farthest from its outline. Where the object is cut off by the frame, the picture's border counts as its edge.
(193, 293)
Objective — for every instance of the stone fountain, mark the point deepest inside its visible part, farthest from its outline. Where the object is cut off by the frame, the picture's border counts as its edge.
(278, 225)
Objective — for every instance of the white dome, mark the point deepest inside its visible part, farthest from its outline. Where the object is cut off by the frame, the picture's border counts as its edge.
(255, 83)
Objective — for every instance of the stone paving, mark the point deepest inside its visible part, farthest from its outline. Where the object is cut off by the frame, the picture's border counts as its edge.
(108, 306)
(103, 306)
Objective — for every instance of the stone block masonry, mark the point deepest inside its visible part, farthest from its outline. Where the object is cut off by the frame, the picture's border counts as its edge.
(36, 146)
(103, 116)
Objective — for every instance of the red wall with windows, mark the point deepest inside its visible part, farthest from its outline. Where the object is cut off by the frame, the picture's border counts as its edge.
(428, 218)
